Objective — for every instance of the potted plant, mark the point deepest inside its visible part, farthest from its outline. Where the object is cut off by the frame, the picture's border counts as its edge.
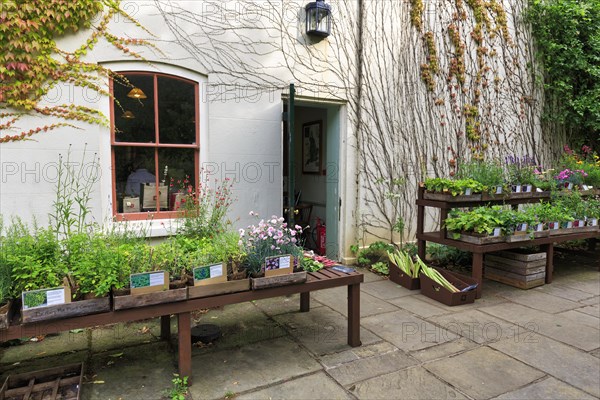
(453, 190)
(570, 179)
(269, 239)
(481, 225)
(488, 173)
(592, 212)
(520, 175)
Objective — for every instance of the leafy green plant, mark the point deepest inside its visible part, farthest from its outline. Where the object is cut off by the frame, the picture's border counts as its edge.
(381, 267)
(481, 220)
(566, 33)
(489, 173)
(179, 388)
(454, 187)
(444, 255)
(376, 252)
(311, 265)
(404, 261)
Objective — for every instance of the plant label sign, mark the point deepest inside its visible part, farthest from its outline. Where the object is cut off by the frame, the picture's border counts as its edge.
(148, 282)
(278, 265)
(210, 274)
(45, 297)
(527, 188)
(496, 232)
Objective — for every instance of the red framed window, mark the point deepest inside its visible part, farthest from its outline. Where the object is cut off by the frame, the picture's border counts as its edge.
(155, 142)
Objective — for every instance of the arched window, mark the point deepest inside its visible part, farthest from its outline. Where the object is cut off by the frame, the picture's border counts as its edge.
(155, 143)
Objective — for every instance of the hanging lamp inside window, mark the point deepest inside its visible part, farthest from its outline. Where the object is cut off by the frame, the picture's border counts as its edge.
(128, 115)
(136, 93)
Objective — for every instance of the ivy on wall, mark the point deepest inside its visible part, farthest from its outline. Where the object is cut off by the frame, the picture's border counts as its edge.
(567, 34)
(31, 64)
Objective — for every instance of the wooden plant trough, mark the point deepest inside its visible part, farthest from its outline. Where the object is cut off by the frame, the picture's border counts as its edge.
(515, 268)
(278, 280)
(240, 285)
(67, 310)
(6, 312)
(123, 299)
(518, 237)
(437, 292)
(450, 198)
(59, 383)
(475, 239)
(401, 278)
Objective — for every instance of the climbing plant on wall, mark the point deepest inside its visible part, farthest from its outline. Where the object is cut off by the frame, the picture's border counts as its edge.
(31, 63)
(567, 34)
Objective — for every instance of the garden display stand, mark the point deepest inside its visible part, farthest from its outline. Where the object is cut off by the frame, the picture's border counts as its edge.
(478, 250)
(323, 279)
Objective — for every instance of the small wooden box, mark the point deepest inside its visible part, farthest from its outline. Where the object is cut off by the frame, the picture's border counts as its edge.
(398, 276)
(437, 292)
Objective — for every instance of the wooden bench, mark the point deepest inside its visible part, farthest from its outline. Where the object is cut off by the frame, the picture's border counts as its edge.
(324, 279)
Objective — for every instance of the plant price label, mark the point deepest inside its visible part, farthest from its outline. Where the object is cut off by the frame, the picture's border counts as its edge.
(498, 189)
(496, 232)
(55, 297)
(216, 270)
(157, 279)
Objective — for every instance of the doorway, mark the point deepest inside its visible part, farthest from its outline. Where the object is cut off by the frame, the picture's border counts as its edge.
(316, 146)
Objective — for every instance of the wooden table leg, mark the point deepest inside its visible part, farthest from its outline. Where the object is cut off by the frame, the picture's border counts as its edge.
(354, 315)
(184, 327)
(549, 249)
(477, 272)
(304, 301)
(165, 327)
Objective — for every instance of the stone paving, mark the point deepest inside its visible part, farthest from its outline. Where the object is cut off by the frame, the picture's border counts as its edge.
(542, 343)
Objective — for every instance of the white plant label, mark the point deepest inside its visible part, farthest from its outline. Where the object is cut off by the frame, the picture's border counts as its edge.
(496, 232)
(55, 297)
(216, 270)
(157, 279)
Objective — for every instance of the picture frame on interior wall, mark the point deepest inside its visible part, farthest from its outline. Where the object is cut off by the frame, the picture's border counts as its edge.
(312, 147)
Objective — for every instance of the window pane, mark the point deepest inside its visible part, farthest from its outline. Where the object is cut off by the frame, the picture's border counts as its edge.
(135, 180)
(176, 111)
(134, 118)
(177, 171)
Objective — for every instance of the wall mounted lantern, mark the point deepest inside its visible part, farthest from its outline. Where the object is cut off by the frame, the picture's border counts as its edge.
(318, 19)
(136, 93)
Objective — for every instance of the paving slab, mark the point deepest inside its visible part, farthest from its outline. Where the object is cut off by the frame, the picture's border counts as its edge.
(489, 299)
(337, 298)
(368, 275)
(406, 384)
(47, 346)
(407, 332)
(591, 286)
(370, 367)
(283, 304)
(240, 325)
(317, 386)
(549, 388)
(592, 301)
(376, 349)
(476, 326)
(483, 373)
(564, 292)
(385, 290)
(108, 337)
(416, 305)
(595, 353)
(541, 301)
(570, 365)
(138, 373)
(582, 318)
(551, 325)
(594, 310)
(249, 367)
(322, 330)
(444, 350)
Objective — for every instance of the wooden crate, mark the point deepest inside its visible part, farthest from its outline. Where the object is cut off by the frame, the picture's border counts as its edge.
(278, 280)
(124, 299)
(463, 237)
(437, 292)
(6, 312)
(67, 310)
(515, 268)
(215, 289)
(449, 198)
(59, 383)
(398, 276)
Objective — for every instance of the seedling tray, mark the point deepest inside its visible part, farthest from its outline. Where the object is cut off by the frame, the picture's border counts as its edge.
(437, 292)
(59, 383)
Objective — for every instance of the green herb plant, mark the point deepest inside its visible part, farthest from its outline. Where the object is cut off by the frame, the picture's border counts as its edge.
(381, 267)
(179, 388)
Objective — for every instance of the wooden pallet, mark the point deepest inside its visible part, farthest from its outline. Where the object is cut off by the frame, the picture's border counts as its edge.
(59, 383)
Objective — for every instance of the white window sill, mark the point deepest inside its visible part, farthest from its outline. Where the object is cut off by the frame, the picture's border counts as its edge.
(150, 228)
